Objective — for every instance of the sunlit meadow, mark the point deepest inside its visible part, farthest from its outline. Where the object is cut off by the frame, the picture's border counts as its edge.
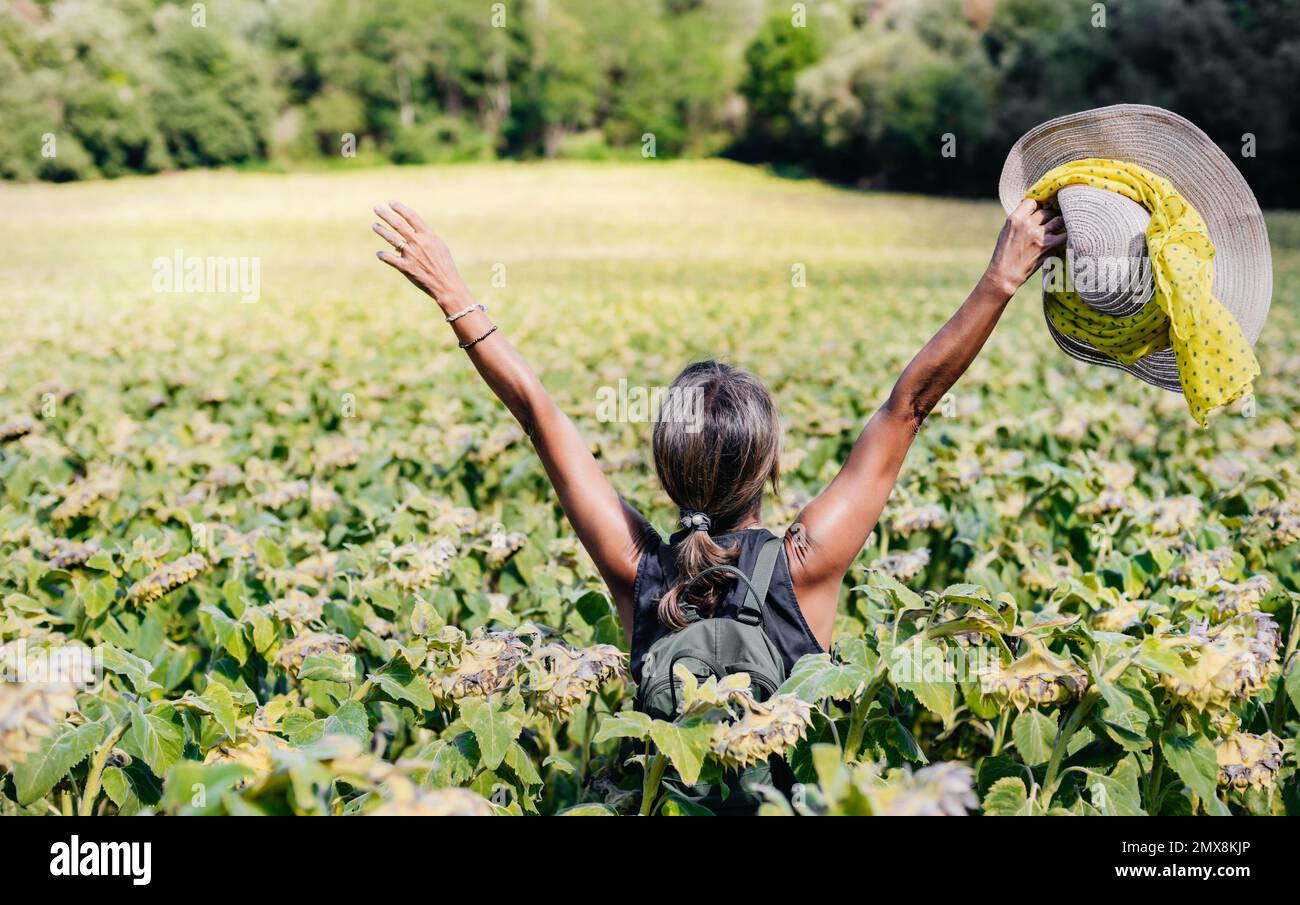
(380, 578)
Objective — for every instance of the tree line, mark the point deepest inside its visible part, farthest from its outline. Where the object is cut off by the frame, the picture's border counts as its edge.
(922, 95)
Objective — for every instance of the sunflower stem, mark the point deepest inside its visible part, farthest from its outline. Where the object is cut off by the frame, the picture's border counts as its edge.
(96, 775)
(650, 788)
(1072, 724)
(858, 719)
(1281, 698)
(1000, 736)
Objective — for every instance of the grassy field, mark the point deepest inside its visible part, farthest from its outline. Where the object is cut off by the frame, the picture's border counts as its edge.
(333, 420)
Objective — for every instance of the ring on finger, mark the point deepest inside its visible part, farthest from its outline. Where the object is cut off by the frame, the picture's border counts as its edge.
(401, 246)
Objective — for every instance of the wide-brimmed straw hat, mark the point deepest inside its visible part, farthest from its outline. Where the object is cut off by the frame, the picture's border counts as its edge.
(1104, 225)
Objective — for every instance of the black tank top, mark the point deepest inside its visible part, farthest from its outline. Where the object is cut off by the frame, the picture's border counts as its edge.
(783, 622)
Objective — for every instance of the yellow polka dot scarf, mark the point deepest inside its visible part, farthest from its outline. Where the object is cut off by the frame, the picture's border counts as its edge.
(1215, 362)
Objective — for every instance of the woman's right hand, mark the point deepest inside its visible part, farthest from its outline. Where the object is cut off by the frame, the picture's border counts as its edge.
(1030, 234)
(421, 256)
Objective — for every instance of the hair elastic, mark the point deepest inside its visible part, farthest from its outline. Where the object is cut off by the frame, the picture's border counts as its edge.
(695, 520)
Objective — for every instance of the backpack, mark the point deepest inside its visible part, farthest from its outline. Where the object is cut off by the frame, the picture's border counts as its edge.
(719, 647)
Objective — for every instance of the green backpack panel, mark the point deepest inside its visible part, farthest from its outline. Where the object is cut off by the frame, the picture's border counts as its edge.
(717, 647)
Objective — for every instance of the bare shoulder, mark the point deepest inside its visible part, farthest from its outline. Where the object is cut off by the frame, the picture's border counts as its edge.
(816, 595)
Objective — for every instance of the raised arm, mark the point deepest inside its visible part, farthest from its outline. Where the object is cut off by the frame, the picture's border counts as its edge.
(611, 531)
(832, 529)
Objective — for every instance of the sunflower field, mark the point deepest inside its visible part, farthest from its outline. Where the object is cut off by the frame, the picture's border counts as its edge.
(286, 554)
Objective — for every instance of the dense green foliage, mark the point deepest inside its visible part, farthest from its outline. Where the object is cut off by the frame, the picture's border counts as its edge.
(277, 523)
(862, 91)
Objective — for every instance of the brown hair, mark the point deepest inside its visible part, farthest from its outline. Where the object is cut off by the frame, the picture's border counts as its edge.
(716, 443)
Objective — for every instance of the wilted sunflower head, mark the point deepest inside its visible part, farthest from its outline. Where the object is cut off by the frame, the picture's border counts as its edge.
(67, 554)
(764, 729)
(281, 493)
(907, 519)
(298, 608)
(939, 790)
(563, 677)
(252, 751)
(1173, 515)
(1279, 522)
(297, 649)
(904, 566)
(339, 452)
(450, 802)
(1045, 576)
(1227, 663)
(1232, 600)
(1201, 567)
(13, 428)
(168, 578)
(502, 543)
(1038, 678)
(1224, 722)
(29, 710)
(1106, 502)
(421, 567)
(484, 664)
(82, 497)
(1125, 614)
(1248, 761)
(315, 570)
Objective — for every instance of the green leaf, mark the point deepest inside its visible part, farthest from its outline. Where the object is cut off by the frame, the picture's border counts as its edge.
(229, 634)
(1116, 795)
(270, 553)
(1192, 757)
(117, 786)
(893, 733)
(399, 682)
(1161, 660)
(263, 629)
(219, 702)
(451, 762)
(588, 810)
(592, 606)
(518, 760)
(890, 591)
(101, 561)
(1034, 734)
(815, 678)
(1292, 682)
(684, 745)
(97, 595)
(135, 670)
(194, 789)
(329, 666)
(1007, 798)
(154, 739)
(56, 753)
(495, 726)
(624, 724)
(1125, 714)
(350, 720)
(921, 667)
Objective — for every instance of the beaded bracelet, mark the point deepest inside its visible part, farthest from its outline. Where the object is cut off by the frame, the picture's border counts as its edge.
(480, 339)
(452, 318)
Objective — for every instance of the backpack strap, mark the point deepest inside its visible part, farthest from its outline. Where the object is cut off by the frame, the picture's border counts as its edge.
(751, 611)
(760, 581)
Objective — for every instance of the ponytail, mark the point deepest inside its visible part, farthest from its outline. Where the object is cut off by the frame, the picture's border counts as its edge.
(697, 552)
(717, 443)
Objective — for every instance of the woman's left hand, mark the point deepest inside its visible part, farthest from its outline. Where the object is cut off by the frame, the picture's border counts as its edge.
(1031, 233)
(420, 256)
